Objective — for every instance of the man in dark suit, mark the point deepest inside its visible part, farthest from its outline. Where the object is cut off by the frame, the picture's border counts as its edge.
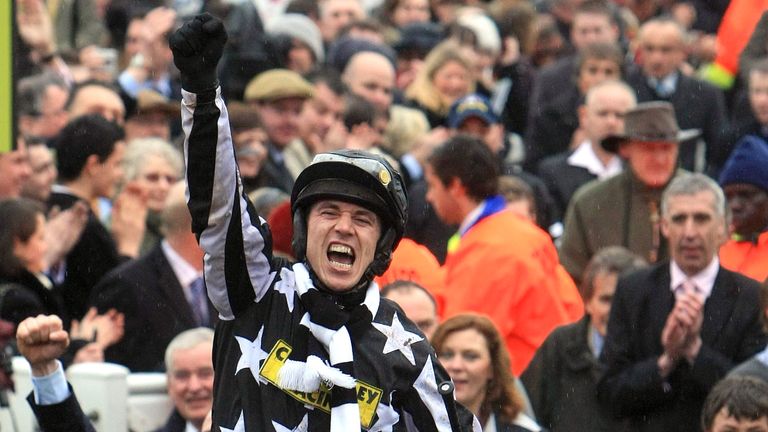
(698, 105)
(157, 292)
(601, 115)
(679, 326)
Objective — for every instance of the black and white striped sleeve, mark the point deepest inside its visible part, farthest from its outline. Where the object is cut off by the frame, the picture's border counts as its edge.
(233, 237)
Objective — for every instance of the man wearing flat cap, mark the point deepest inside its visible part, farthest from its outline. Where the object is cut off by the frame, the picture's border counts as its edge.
(278, 96)
(624, 210)
(745, 182)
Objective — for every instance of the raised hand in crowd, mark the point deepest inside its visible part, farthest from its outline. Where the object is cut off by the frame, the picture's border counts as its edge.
(63, 230)
(35, 26)
(129, 213)
(41, 340)
(197, 48)
(149, 61)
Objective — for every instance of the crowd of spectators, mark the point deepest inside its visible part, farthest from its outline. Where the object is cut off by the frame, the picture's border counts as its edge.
(550, 149)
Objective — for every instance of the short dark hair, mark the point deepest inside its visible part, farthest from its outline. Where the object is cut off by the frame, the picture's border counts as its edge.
(744, 397)
(600, 51)
(328, 76)
(19, 216)
(82, 137)
(358, 111)
(596, 7)
(611, 259)
(468, 159)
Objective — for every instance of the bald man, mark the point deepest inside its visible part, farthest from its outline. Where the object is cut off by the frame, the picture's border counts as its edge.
(371, 76)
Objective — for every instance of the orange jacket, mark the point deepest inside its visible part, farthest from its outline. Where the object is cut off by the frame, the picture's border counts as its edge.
(507, 268)
(746, 257)
(414, 262)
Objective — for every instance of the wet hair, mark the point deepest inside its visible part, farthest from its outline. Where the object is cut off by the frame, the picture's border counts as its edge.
(501, 397)
(82, 137)
(692, 184)
(468, 159)
(744, 397)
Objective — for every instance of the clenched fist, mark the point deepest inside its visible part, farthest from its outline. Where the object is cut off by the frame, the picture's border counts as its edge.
(197, 47)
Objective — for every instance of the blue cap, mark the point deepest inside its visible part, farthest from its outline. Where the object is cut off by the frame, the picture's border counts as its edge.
(748, 163)
(472, 105)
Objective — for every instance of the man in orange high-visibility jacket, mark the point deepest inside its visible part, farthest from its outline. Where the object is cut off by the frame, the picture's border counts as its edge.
(503, 266)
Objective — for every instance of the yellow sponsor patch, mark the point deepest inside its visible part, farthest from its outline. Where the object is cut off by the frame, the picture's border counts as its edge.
(368, 396)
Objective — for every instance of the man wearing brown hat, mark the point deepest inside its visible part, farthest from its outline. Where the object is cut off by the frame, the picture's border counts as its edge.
(624, 210)
(278, 96)
(151, 116)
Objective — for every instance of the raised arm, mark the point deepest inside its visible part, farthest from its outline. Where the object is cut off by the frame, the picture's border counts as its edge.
(234, 238)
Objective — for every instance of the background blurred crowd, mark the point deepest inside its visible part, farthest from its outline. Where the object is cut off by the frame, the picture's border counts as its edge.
(537, 139)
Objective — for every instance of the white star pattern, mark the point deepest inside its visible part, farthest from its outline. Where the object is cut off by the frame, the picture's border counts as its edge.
(239, 426)
(387, 417)
(426, 387)
(302, 427)
(398, 338)
(285, 286)
(251, 355)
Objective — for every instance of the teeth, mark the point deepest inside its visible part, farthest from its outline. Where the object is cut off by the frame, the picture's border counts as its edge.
(342, 266)
(340, 249)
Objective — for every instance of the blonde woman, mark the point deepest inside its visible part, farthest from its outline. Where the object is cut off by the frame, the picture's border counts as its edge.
(445, 77)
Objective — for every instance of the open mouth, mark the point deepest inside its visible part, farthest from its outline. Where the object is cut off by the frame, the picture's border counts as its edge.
(341, 256)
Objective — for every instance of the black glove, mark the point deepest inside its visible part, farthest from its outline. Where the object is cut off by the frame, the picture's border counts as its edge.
(197, 47)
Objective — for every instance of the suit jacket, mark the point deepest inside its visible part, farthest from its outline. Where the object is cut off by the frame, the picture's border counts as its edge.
(94, 255)
(147, 291)
(275, 173)
(176, 423)
(698, 105)
(632, 386)
(65, 416)
(561, 381)
(562, 180)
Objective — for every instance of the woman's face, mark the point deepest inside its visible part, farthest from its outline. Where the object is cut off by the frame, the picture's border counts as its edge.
(466, 357)
(32, 251)
(452, 81)
(410, 11)
(157, 176)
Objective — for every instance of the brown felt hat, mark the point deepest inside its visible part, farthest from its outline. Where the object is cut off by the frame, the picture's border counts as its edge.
(649, 122)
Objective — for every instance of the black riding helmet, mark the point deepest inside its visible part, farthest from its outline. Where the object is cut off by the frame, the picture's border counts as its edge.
(358, 177)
